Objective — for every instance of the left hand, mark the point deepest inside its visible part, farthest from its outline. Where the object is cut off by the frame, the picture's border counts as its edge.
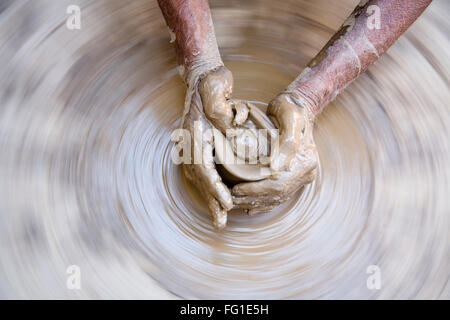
(211, 107)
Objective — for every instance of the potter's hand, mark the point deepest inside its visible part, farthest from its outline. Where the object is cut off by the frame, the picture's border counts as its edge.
(209, 89)
(348, 54)
(294, 165)
(215, 91)
(201, 170)
(210, 108)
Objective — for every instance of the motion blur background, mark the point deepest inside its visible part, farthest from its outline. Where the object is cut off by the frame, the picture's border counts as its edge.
(86, 177)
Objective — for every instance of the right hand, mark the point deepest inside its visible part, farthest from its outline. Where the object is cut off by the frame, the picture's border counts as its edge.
(295, 164)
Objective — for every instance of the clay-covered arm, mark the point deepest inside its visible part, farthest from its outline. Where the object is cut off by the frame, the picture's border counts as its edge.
(193, 34)
(364, 36)
(209, 88)
(369, 31)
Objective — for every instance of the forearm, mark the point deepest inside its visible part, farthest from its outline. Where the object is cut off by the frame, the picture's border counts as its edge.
(352, 49)
(192, 31)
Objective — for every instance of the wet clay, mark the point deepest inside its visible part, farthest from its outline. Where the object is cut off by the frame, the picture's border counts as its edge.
(211, 108)
(293, 159)
(294, 165)
(244, 152)
(209, 89)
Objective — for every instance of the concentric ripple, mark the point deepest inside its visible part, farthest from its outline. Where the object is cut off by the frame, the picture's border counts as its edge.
(86, 176)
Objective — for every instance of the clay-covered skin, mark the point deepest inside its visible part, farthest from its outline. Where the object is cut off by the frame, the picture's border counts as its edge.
(353, 49)
(210, 86)
(211, 107)
(348, 53)
(204, 174)
(345, 57)
(201, 68)
(215, 91)
(295, 164)
(192, 32)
